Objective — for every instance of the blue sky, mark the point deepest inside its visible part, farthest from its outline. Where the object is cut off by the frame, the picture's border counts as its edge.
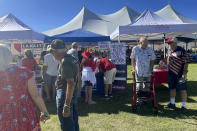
(42, 15)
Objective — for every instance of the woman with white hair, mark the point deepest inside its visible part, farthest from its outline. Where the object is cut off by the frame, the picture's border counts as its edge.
(18, 97)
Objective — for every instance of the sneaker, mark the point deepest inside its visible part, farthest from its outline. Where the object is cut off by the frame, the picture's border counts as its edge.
(110, 95)
(183, 110)
(91, 102)
(138, 103)
(171, 106)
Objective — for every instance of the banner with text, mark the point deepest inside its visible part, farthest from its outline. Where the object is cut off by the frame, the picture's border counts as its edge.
(103, 45)
(118, 57)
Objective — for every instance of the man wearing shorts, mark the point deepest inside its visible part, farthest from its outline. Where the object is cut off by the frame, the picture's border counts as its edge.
(50, 71)
(178, 68)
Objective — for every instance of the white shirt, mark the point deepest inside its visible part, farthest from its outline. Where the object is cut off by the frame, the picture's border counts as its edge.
(142, 58)
(52, 64)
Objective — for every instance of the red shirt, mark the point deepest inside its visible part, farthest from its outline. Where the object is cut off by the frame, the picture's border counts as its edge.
(29, 63)
(101, 67)
(108, 65)
(88, 63)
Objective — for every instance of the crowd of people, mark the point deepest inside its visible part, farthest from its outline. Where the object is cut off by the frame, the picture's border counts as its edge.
(64, 75)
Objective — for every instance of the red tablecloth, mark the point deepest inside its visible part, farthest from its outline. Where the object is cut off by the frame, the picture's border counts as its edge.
(161, 76)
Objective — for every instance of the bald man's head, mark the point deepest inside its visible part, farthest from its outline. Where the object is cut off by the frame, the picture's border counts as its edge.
(143, 42)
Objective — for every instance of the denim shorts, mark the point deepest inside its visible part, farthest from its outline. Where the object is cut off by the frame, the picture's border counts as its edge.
(50, 80)
(175, 83)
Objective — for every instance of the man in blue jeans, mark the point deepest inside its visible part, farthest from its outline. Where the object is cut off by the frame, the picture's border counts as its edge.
(66, 98)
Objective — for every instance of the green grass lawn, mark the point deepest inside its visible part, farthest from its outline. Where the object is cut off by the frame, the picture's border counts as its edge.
(116, 114)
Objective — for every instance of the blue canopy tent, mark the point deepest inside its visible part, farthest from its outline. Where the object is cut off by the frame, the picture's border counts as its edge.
(81, 36)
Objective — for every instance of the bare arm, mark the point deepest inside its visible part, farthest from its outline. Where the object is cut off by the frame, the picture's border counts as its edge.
(185, 70)
(44, 70)
(69, 94)
(35, 95)
(133, 64)
(69, 90)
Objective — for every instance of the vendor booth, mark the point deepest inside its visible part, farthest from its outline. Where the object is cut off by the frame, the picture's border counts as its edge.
(18, 36)
(14, 32)
(154, 27)
(99, 43)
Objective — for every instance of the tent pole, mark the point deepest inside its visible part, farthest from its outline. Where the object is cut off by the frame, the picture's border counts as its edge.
(118, 38)
(153, 46)
(186, 46)
(164, 43)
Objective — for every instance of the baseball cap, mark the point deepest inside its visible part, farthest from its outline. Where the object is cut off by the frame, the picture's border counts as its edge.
(172, 40)
(74, 44)
(49, 48)
(57, 44)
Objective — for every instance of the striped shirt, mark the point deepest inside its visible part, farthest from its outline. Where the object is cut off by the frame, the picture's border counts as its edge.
(177, 59)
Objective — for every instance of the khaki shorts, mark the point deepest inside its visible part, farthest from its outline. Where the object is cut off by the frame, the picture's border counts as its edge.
(109, 76)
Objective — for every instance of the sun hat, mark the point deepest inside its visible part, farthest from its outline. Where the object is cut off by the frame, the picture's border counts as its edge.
(86, 53)
(172, 40)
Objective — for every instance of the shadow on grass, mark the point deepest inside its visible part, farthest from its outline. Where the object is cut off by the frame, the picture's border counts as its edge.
(162, 92)
(122, 103)
(118, 103)
(192, 88)
(51, 107)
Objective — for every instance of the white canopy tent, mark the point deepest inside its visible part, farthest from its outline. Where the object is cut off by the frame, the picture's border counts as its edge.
(85, 20)
(12, 30)
(123, 16)
(153, 26)
(170, 13)
(99, 24)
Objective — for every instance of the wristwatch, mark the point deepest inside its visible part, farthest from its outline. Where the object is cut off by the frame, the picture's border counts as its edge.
(66, 106)
(46, 114)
